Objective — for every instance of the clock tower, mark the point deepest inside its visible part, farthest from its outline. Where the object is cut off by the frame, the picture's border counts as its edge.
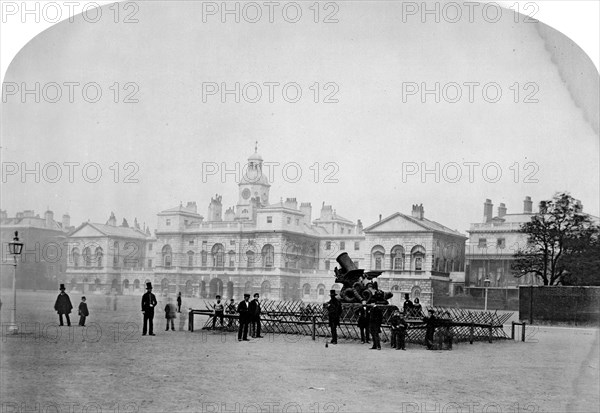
(253, 187)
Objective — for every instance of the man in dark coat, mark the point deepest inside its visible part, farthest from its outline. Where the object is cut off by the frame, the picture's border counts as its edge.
(83, 312)
(375, 320)
(243, 310)
(398, 329)
(334, 312)
(63, 306)
(255, 317)
(148, 304)
(363, 322)
(431, 322)
(408, 306)
(179, 302)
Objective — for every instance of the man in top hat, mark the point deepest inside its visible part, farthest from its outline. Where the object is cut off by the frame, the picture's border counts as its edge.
(148, 304)
(334, 312)
(407, 306)
(243, 310)
(63, 306)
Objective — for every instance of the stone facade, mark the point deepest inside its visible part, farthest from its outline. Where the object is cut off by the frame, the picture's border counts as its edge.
(43, 259)
(279, 250)
(106, 257)
(491, 246)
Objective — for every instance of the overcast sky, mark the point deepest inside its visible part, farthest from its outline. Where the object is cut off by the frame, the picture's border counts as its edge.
(372, 134)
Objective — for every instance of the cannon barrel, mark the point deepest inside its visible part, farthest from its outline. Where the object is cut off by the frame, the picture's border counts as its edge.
(345, 262)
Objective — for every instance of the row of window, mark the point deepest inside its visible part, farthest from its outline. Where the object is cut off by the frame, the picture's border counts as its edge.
(341, 245)
(500, 243)
(218, 257)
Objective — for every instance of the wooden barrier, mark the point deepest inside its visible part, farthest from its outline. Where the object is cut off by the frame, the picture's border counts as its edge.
(311, 320)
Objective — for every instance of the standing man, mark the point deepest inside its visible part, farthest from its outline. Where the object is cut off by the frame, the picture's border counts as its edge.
(375, 320)
(83, 312)
(179, 302)
(170, 314)
(148, 304)
(363, 322)
(431, 322)
(398, 329)
(219, 309)
(243, 310)
(334, 312)
(231, 311)
(63, 306)
(408, 306)
(255, 314)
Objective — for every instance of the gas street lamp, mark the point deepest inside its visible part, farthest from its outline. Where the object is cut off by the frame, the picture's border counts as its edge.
(14, 248)
(486, 284)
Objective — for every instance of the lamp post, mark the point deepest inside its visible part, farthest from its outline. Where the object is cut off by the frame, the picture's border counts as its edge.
(14, 248)
(486, 284)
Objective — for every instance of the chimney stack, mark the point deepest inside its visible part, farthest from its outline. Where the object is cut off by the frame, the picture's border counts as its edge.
(291, 203)
(380, 217)
(418, 211)
(191, 205)
(359, 227)
(527, 205)
(501, 210)
(488, 209)
(306, 209)
(49, 215)
(66, 221)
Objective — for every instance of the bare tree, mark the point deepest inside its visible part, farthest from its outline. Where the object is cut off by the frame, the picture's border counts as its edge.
(559, 236)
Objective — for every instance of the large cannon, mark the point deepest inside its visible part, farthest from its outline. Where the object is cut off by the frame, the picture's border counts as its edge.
(358, 284)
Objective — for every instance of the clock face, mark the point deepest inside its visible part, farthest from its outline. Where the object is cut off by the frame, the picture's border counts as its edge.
(246, 193)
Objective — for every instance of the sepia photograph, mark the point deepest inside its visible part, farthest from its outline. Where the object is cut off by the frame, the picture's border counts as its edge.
(300, 206)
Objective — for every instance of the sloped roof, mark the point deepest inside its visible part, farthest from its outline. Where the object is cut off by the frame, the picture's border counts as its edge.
(335, 217)
(414, 225)
(110, 231)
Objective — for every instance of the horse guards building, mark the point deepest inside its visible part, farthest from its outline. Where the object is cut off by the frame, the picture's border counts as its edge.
(275, 249)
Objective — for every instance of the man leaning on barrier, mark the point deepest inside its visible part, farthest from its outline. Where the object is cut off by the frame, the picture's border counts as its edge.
(219, 311)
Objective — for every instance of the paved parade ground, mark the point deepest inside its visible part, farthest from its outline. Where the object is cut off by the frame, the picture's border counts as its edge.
(108, 366)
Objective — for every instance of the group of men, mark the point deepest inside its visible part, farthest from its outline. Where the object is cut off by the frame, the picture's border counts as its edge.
(370, 318)
(249, 315)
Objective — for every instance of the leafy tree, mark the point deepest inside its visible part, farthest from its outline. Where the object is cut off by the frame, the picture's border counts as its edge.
(562, 244)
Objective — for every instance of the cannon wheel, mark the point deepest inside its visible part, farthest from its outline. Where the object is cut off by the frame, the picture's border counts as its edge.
(348, 295)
